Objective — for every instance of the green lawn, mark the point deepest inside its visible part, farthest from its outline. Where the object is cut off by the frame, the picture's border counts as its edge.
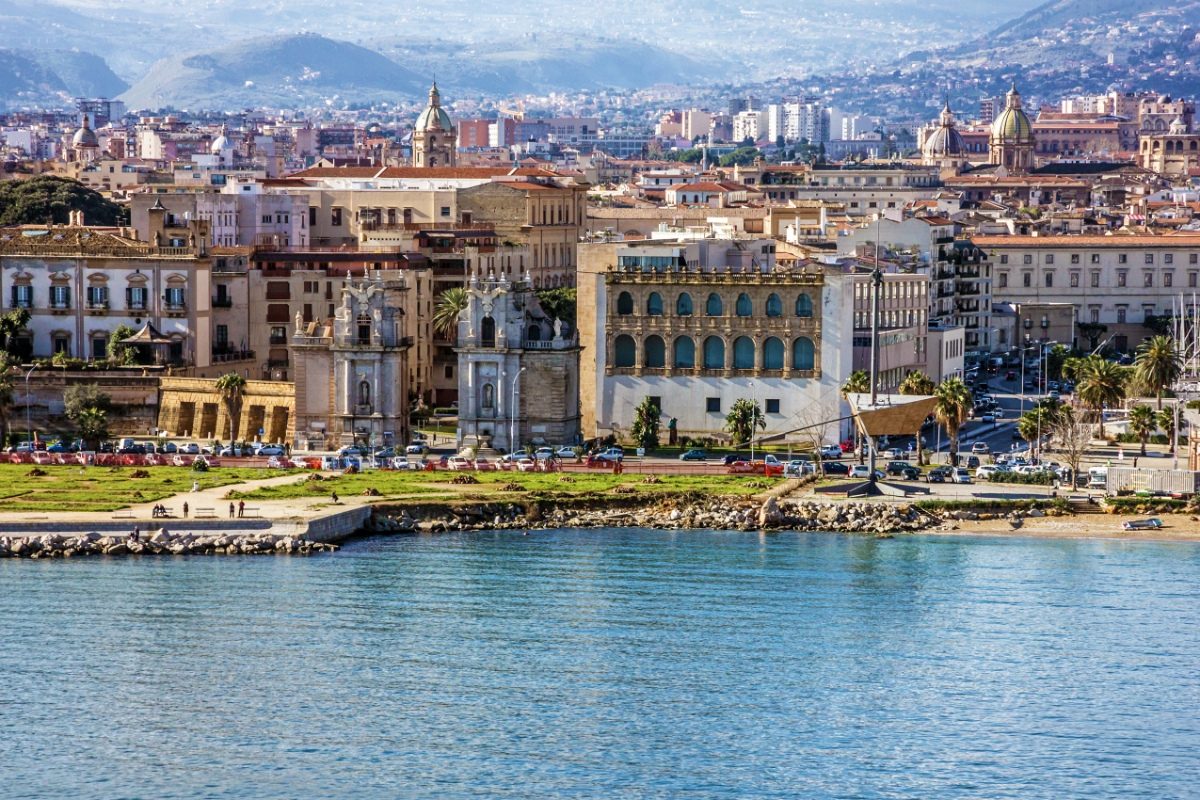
(75, 488)
(430, 486)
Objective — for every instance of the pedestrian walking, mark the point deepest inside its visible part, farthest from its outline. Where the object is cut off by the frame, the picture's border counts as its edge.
(241, 508)
(185, 509)
(335, 497)
(231, 510)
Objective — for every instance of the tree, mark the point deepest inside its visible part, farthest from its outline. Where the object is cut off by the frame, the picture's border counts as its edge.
(1038, 422)
(7, 382)
(954, 403)
(1142, 423)
(859, 382)
(1056, 357)
(1101, 383)
(1092, 331)
(917, 383)
(88, 407)
(232, 386)
(450, 304)
(646, 422)
(743, 417)
(559, 303)
(1166, 421)
(122, 355)
(48, 198)
(12, 324)
(1071, 436)
(1159, 364)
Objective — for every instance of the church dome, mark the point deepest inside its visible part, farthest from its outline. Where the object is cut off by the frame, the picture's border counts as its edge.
(1012, 125)
(85, 136)
(434, 116)
(1179, 126)
(946, 140)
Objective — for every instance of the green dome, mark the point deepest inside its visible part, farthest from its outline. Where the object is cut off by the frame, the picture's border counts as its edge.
(434, 116)
(1012, 125)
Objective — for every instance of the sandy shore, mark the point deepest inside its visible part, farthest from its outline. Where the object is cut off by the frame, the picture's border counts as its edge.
(1177, 528)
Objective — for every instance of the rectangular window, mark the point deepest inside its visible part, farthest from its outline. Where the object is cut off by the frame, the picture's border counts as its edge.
(1168, 258)
(1095, 280)
(222, 336)
(712, 405)
(1004, 259)
(1168, 279)
(60, 296)
(266, 219)
(445, 211)
(1149, 258)
(449, 373)
(1049, 280)
(1123, 258)
(1074, 258)
(97, 296)
(335, 217)
(1074, 280)
(312, 216)
(1095, 258)
(1027, 259)
(1193, 258)
(1148, 279)
(22, 296)
(1027, 279)
(773, 406)
(1049, 258)
(1121, 278)
(1120, 314)
(1094, 313)
(135, 298)
(1192, 280)
(174, 297)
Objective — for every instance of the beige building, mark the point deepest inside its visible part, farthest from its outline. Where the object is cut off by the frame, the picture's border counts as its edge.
(1175, 153)
(194, 408)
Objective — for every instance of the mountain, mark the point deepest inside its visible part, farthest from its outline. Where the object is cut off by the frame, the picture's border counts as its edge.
(30, 78)
(284, 71)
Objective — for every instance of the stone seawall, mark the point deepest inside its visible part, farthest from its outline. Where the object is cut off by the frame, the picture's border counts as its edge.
(53, 545)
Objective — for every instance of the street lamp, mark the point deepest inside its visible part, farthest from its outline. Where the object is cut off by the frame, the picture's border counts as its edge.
(28, 403)
(512, 425)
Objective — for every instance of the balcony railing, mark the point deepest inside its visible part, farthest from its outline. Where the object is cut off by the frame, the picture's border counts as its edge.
(175, 308)
(137, 306)
(279, 340)
(222, 302)
(221, 355)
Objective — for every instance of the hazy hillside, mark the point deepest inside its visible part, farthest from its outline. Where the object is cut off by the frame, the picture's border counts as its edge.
(52, 76)
(282, 70)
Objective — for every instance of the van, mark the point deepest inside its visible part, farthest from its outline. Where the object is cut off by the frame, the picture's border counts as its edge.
(1098, 478)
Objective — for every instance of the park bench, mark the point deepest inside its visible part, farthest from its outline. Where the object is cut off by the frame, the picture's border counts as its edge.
(251, 511)
(206, 513)
(126, 513)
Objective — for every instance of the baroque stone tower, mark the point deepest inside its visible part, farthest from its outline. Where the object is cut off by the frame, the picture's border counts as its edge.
(435, 142)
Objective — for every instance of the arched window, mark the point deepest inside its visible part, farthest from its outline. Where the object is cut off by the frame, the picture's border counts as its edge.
(683, 305)
(744, 307)
(624, 351)
(487, 332)
(533, 333)
(772, 353)
(714, 353)
(714, 307)
(803, 306)
(802, 353)
(654, 353)
(743, 353)
(774, 306)
(654, 306)
(624, 303)
(364, 393)
(684, 356)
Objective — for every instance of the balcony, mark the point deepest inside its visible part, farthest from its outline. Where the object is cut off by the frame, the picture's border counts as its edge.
(138, 307)
(60, 308)
(222, 354)
(222, 301)
(98, 307)
(175, 309)
(279, 340)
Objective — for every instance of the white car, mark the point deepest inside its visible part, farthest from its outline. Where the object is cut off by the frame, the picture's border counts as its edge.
(565, 452)
(960, 475)
(980, 448)
(799, 467)
(191, 449)
(270, 450)
(989, 472)
(417, 449)
(863, 471)
(543, 453)
(458, 462)
(831, 451)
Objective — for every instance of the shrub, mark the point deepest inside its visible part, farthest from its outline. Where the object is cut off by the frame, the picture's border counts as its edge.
(199, 464)
(1034, 479)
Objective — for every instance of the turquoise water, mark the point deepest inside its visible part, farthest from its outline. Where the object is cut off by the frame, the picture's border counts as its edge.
(608, 664)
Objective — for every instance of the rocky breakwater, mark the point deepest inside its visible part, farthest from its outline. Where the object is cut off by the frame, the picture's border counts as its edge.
(880, 519)
(157, 543)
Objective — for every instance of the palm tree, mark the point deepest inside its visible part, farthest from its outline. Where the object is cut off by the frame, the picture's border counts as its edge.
(450, 304)
(231, 386)
(859, 382)
(1158, 365)
(954, 403)
(6, 394)
(1166, 421)
(1101, 383)
(917, 382)
(1142, 423)
(743, 417)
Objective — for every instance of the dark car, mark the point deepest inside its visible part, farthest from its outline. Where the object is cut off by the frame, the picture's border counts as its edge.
(938, 475)
(897, 467)
(132, 450)
(835, 468)
(732, 457)
(693, 455)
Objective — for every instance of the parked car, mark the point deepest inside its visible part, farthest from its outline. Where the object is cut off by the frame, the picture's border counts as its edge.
(693, 455)
(565, 452)
(543, 453)
(835, 468)
(989, 472)
(732, 457)
(191, 449)
(988, 419)
(960, 475)
(864, 471)
(831, 451)
(169, 448)
(458, 462)
(896, 467)
(270, 450)
(938, 475)
(981, 448)
(798, 467)
(417, 449)
(972, 462)
(611, 454)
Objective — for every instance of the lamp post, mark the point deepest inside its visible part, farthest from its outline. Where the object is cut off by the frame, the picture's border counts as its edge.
(512, 424)
(28, 403)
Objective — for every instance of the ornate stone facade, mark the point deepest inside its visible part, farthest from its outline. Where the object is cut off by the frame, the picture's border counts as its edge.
(193, 407)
